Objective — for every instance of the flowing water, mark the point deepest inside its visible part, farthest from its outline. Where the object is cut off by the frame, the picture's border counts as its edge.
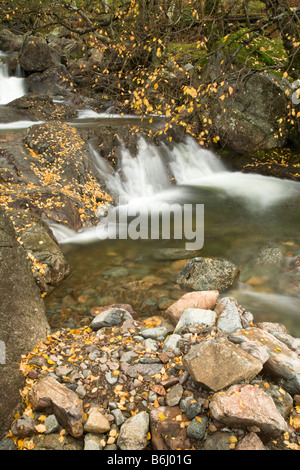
(242, 213)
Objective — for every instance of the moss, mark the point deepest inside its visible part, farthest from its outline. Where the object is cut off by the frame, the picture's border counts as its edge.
(257, 52)
(185, 53)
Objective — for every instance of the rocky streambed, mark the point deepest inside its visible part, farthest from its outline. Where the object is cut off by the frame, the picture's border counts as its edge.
(207, 377)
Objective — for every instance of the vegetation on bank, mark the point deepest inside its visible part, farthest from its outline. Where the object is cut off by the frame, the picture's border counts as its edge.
(157, 54)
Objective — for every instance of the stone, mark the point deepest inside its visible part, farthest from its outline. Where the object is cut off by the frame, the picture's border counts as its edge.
(23, 322)
(250, 442)
(133, 433)
(118, 415)
(49, 395)
(174, 395)
(195, 317)
(37, 56)
(208, 274)
(154, 333)
(269, 255)
(217, 364)
(282, 363)
(229, 316)
(94, 441)
(244, 406)
(52, 425)
(205, 300)
(24, 427)
(96, 423)
(197, 427)
(166, 429)
(172, 344)
(55, 442)
(219, 440)
(110, 317)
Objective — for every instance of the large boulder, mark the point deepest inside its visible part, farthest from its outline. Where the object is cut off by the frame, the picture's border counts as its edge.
(37, 56)
(204, 274)
(22, 318)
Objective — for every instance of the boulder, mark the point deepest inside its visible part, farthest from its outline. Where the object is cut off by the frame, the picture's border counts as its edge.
(22, 318)
(244, 406)
(51, 396)
(202, 299)
(283, 363)
(204, 274)
(218, 363)
(55, 80)
(10, 42)
(37, 56)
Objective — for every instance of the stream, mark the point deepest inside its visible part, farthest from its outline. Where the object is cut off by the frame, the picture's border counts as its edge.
(242, 213)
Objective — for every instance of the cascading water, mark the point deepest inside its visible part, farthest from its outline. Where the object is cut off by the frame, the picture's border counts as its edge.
(11, 87)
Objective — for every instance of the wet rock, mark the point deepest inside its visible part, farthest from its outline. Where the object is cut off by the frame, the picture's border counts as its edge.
(205, 300)
(208, 274)
(195, 316)
(55, 81)
(219, 363)
(166, 430)
(250, 442)
(220, 440)
(269, 255)
(133, 433)
(243, 406)
(48, 394)
(110, 317)
(56, 442)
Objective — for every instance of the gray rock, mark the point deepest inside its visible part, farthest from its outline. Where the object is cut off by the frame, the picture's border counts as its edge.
(196, 429)
(118, 415)
(110, 378)
(208, 274)
(172, 344)
(195, 316)
(174, 395)
(52, 425)
(94, 441)
(151, 343)
(229, 315)
(110, 317)
(24, 426)
(133, 433)
(154, 333)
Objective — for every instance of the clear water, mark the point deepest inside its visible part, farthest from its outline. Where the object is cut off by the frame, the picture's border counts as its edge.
(243, 212)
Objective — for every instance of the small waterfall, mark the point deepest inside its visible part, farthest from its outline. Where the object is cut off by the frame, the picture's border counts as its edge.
(11, 87)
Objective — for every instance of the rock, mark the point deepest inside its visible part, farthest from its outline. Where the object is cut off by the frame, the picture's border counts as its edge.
(48, 394)
(94, 441)
(110, 317)
(55, 442)
(24, 427)
(55, 81)
(229, 316)
(196, 429)
(22, 317)
(220, 440)
(217, 364)
(243, 406)
(119, 417)
(133, 433)
(7, 444)
(166, 430)
(52, 425)
(250, 442)
(37, 56)
(9, 42)
(172, 344)
(96, 423)
(269, 255)
(283, 363)
(193, 409)
(205, 300)
(208, 274)
(193, 317)
(174, 395)
(154, 333)
(175, 254)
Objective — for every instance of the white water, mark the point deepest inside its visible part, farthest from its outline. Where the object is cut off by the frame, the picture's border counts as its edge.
(144, 180)
(11, 87)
